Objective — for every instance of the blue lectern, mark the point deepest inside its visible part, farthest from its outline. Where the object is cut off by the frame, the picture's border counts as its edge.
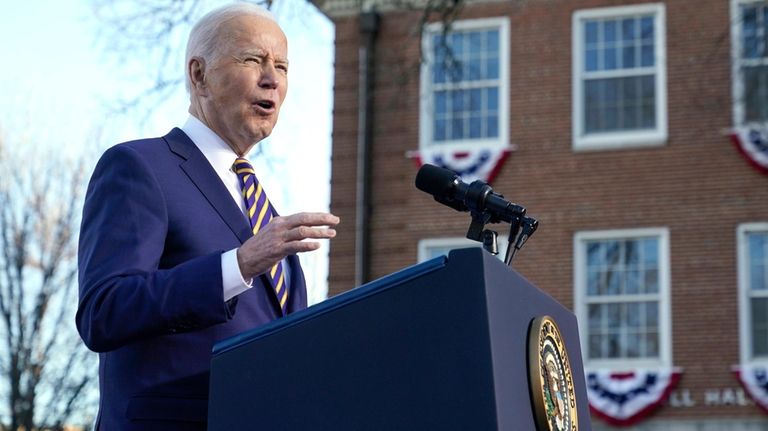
(442, 345)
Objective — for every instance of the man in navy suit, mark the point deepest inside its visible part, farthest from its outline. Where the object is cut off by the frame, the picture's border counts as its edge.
(169, 264)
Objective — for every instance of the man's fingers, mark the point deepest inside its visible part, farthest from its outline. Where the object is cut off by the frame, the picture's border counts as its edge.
(304, 232)
(309, 219)
(301, 246)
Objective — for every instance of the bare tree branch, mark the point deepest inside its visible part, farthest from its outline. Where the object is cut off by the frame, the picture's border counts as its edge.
(39, 218)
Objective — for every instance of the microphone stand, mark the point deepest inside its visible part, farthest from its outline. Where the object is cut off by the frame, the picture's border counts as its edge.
(520, 229)
(478, 232)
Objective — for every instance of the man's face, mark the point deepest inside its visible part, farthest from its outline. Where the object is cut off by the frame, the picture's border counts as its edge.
(246, 82)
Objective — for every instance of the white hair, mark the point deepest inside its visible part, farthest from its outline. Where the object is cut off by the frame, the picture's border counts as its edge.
(205, 35)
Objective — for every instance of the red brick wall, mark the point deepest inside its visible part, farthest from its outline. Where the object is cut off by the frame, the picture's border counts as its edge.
(697, 185)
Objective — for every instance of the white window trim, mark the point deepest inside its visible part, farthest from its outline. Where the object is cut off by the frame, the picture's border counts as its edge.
(580, 304)
(426, 101)
(737, 80)
(628, 139)
(745, 311)
(454, 243)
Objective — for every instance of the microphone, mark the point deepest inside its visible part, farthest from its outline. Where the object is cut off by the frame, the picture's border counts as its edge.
(478, 197)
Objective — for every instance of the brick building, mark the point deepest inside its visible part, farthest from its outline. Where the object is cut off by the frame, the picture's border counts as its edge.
(616, 116)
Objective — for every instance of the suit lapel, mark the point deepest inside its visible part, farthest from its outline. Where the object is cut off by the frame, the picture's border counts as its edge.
(201, 173)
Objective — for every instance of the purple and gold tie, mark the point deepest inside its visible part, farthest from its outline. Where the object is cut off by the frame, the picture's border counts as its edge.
(259, 212)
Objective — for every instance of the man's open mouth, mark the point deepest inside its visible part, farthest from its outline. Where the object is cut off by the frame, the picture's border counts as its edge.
(266, 104)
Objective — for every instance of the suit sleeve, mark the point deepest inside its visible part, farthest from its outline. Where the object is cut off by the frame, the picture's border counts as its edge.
(124, 296)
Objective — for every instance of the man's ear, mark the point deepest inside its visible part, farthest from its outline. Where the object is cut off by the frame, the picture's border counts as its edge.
(196, 70)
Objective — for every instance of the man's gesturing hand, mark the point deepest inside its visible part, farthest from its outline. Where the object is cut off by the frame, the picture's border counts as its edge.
(281, 237)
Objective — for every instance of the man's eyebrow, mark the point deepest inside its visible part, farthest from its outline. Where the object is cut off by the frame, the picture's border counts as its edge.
(260, 53)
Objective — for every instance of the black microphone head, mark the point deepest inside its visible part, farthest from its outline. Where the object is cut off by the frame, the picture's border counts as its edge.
(435, 180)
(440, 183)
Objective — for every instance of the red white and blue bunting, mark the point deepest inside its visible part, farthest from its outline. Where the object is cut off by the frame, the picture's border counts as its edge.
(472, 163)
(754, 379)
(623, 399)
(752, 143)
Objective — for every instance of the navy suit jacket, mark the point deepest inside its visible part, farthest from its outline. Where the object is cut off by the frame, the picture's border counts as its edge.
(156, 220)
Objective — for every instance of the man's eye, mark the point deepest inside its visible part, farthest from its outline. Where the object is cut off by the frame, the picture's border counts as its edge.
(283, 67)
(256, 60)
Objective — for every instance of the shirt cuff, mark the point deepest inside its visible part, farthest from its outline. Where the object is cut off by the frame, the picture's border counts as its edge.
(231, 278)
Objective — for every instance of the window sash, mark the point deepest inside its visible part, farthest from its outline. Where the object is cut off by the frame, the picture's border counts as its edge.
(752, 240)
(637, 340)
(640, 120)
(483, 56)
(750, 52)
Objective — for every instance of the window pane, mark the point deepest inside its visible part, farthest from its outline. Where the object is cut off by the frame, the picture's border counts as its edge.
(757, 279)
(492, 126)
(475, 127)
(595, 253)
(628, 55)
(628, 30)
(650, 251)
(474, 70)
(609, 31)
(634, 345)
(475, 42)
(456, 43)
(590, 60)
(594, 282)
(475, 100)
(595, 346)
(756, 92)
(492, 68)
(457, 128)
(764, 52)
(651, 345)
(590, 32)
(757, 245)
(646, 56)
(750, 32)
(651, 314)
(646, 28)
(610, 59)
(634, 316)
(492, 99)
(633, 282)
(492, 41)
(760, 326)
(614, 346)
(457, 101)
(441, 132)
(648, 97)
(595, 313)
(439, 74)
(441, 103)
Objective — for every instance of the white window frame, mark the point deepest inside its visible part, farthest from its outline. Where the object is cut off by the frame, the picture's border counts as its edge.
(426, 99)
(737, 79)
(580, 293)
(745, 310)
(454, 243)
(630, 138)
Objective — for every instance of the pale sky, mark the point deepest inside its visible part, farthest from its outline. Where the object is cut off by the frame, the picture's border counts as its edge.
(56, 74)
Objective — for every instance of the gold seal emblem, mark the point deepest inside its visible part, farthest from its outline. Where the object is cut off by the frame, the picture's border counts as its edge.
(551, 381)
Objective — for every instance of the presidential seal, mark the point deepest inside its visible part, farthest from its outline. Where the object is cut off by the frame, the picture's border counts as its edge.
(550, 378)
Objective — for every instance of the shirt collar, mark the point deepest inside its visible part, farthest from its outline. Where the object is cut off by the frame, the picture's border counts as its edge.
(218, 153)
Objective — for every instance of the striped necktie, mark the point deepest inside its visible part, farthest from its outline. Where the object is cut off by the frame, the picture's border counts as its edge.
(259, 212)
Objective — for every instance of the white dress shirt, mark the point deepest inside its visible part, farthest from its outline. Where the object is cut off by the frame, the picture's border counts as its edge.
(222, 157)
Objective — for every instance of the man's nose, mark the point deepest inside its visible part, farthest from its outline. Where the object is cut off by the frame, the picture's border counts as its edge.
(269, 77)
